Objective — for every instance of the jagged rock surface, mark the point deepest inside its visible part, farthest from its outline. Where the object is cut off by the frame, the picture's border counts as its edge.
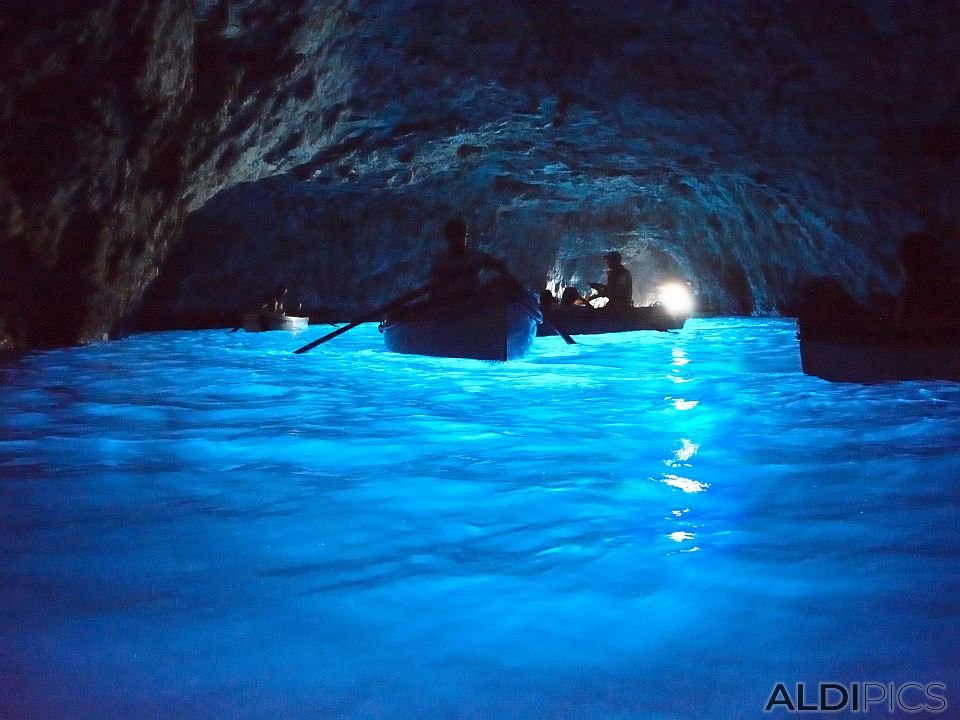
(742, 146)
(117, 119)
(89, 182)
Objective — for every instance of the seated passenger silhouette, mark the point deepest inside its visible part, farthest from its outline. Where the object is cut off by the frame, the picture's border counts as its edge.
(618, 288)
(456, 270)
(571, 296)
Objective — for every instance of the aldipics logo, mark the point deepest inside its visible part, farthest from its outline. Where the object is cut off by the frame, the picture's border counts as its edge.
(859, 697)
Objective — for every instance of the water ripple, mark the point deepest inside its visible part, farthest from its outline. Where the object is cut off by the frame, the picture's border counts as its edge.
(634, 507)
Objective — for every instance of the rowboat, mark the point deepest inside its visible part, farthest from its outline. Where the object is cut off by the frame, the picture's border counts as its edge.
(869, 350)
(498, 328)
(262, 320)
(585, 320)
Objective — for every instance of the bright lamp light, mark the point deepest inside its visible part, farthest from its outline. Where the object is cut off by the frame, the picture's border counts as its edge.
(676, 299)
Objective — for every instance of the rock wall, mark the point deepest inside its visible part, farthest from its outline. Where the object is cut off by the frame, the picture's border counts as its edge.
(117, 118)
(89, 175)
(229, 147)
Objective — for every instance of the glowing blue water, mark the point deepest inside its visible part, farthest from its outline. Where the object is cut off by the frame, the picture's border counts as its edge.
(640, 526)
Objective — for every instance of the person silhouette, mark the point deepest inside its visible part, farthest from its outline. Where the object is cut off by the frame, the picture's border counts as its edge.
(571, 296)
(457, 269)
(618, 289)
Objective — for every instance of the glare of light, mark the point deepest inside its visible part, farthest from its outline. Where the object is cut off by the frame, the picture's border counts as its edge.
(680, 536)
(685, 484)
(687, 451)
(681, 404)
(676, 299)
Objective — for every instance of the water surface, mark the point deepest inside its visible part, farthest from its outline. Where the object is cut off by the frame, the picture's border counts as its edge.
(647, 525)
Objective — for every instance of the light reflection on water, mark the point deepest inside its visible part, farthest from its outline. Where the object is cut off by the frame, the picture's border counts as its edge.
(646, 525)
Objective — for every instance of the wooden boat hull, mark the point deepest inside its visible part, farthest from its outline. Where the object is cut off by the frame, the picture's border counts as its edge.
(876, 351)
(255, 321)
(498, 331)
(580, 320)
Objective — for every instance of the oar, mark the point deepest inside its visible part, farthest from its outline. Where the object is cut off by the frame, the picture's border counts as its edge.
(523, 299)
(558, 330)
(552, 326)
(372, 315)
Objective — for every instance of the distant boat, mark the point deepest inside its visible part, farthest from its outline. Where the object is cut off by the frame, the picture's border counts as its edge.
(585, 320)
(479, 328)
(868, 350)
(263, 320)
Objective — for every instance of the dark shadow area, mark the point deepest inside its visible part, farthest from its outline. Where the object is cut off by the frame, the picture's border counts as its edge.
(915, 336)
